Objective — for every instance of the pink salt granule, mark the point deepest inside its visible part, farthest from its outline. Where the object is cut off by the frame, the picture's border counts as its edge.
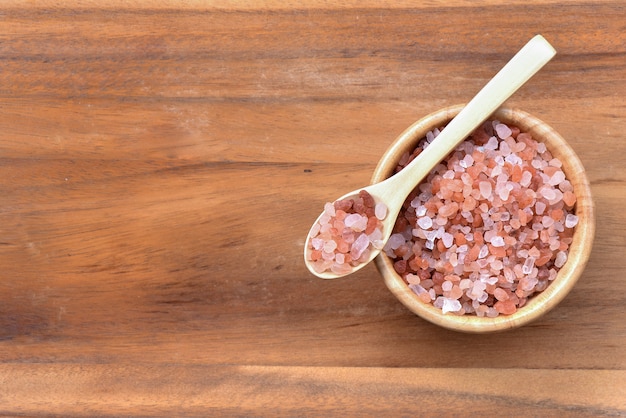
(346, 233)
(489, 227)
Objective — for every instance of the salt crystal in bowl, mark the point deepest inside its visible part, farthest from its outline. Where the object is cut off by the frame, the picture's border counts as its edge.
(570, 267)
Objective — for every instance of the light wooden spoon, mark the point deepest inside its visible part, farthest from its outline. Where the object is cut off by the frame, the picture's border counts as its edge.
(394, 190)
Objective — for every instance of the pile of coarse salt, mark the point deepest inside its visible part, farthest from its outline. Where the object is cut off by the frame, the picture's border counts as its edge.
(345, 233)
(489, 227)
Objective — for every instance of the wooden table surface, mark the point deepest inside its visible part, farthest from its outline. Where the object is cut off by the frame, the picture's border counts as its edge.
(161, 163)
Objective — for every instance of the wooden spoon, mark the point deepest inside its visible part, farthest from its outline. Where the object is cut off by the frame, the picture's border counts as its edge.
(394, 190)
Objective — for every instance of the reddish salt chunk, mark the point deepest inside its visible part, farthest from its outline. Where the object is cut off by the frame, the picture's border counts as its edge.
(425, 297)
(500, 294)
(473, 252)
(516, 173)
(468, 204)
(456, 185)
(506, 307)
(459, 239)
(400, 266)
(449, 210)
(569, 198)
(454, 293)
(340, 215)
(534, 252)
(557, 214)
(367, 198)
(315, 255)
(343, 246)
(497, 251)
(372, 224)
(549, 171)
(344, 205)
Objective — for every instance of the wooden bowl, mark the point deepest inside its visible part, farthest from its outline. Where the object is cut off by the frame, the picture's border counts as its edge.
(579, 249)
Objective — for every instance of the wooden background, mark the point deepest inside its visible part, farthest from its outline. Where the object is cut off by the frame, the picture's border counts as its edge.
(161, 163)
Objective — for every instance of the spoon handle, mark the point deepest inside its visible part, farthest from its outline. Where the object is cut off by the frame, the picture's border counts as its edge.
(534, 55)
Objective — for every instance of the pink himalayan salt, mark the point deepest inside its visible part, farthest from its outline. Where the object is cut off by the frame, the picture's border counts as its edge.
(380, 210)
(450, 305)
(503, 131)
(425, 222)
(346, 233)
(561, 258)
(360, 245)
(571, 220)
(511, 227)
(485, 189)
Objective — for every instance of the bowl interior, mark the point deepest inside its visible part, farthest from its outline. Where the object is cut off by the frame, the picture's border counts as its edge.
(579, 249)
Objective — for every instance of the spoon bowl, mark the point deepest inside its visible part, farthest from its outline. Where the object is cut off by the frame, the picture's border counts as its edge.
(394, 190)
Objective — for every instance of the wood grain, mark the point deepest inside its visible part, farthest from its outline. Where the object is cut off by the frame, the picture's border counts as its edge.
(201, 390)
(161, 163)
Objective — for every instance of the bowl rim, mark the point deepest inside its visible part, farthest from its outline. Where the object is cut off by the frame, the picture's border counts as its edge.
(579, 251)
